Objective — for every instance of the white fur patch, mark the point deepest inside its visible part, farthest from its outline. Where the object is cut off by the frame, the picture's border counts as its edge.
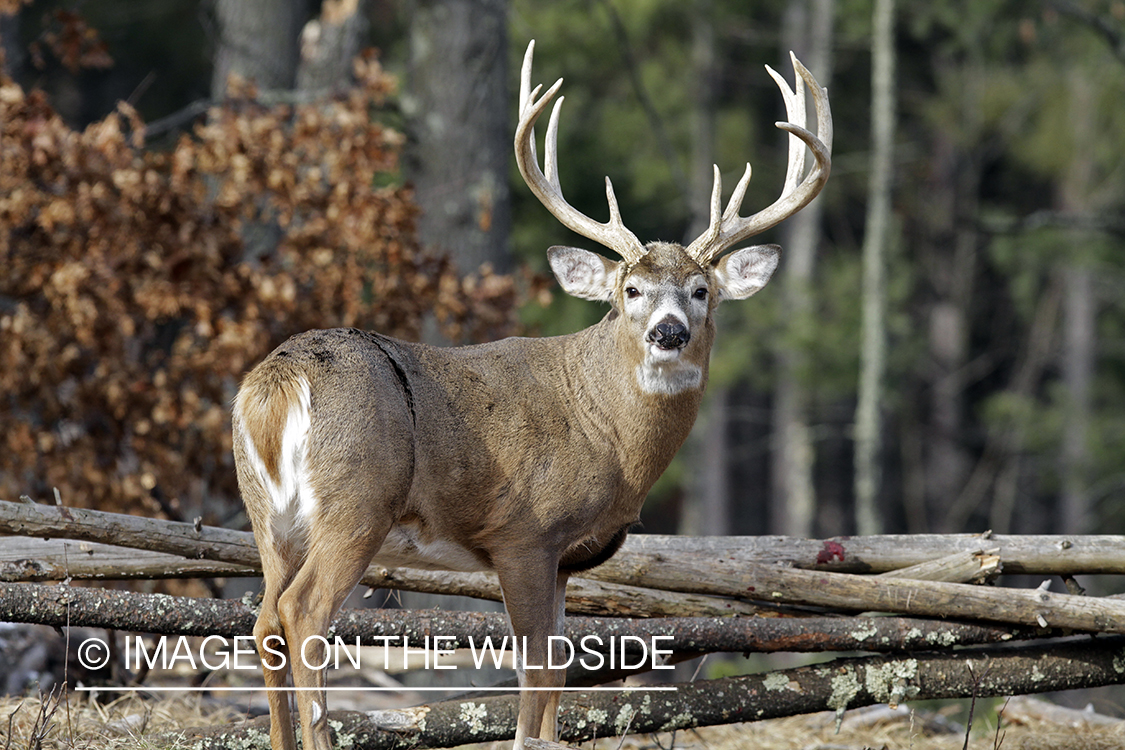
(292, 497)
(668, 378)
(317, 712)
(403, 547)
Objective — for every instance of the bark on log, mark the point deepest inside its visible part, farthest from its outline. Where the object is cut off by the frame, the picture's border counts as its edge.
(583, 595)
(929, 599)
(171, 537)
(1039, 555)
(837, 685)
(160, 614)
(36, 560)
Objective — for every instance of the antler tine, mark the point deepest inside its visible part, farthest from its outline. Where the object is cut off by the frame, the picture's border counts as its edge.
(551, 157)
(734, 205)
(613, 234)
(795, 111)
(731, 228)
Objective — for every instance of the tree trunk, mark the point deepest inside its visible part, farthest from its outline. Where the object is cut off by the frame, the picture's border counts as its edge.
(952, 270)
(807, 31)
(704, 92)
(706, 510)
(1079, 310)
(257, 41)
(707, 506)
(1079, 316)
(456, 100)
(459, 149)
(329, 43)
(868, 421)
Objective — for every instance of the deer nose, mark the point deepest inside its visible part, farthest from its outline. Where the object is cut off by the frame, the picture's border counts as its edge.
(669, 334)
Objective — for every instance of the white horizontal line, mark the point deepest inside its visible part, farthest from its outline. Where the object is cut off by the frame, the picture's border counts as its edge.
(263, 688)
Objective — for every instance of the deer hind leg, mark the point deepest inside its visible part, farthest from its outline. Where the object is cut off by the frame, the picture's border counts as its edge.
(338, 555)
(278, 568)
(280, 562)
(532, 587)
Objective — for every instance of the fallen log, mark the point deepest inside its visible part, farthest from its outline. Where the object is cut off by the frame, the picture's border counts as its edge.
(1040, 555)
(668, 563)
(38, 560)
(27, 560)
(160, 614)
(724, 577)
(837, 685)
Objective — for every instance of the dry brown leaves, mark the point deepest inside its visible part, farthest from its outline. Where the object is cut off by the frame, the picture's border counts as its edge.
(137, 286)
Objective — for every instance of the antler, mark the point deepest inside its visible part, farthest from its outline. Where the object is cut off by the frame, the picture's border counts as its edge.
(611, 234)
(729, 229)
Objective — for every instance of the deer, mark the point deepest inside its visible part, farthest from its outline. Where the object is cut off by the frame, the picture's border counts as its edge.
(529, 457)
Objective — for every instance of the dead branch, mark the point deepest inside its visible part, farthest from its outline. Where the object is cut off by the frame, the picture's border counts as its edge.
(929, 599)
(960, 567)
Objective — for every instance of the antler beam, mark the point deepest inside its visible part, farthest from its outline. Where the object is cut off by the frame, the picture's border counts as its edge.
(613, 234)
(728, 228)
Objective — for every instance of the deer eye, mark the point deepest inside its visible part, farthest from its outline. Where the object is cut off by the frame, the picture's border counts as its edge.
(700, 293)
(632, 292)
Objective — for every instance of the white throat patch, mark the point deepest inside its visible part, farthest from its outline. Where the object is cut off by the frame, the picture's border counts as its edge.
(668, 378)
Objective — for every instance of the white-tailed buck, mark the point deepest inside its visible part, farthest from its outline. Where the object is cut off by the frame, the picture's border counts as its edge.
(527, 457)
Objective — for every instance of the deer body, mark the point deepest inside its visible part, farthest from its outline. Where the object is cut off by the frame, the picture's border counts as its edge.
(470, 483)
(528, 457)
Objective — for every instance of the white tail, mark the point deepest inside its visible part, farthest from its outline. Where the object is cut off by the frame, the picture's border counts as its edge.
(529, 457)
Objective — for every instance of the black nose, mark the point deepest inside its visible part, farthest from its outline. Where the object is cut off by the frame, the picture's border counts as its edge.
(669, 335)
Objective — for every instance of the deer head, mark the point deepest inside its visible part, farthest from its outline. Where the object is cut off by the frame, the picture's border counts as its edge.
(665, 293)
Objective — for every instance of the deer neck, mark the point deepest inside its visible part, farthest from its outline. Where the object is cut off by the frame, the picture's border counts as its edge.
(644, 427)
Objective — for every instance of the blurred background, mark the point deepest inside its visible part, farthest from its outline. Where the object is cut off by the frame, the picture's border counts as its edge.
(278, 185)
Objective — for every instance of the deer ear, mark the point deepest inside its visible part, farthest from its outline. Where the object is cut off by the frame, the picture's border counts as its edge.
(745, 271)
(582, 273)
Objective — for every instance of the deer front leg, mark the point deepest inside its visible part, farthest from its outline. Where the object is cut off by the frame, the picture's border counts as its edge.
(534, 597)
(550, 727)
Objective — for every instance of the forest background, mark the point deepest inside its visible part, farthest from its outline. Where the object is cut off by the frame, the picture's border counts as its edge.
(143, 271)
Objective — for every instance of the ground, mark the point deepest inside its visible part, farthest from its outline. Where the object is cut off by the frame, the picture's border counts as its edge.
(131, 722)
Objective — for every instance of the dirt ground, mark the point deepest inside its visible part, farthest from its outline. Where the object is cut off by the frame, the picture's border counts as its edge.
(132, 722)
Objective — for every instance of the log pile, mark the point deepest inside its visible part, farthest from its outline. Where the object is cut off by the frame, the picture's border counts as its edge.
(938, 632)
